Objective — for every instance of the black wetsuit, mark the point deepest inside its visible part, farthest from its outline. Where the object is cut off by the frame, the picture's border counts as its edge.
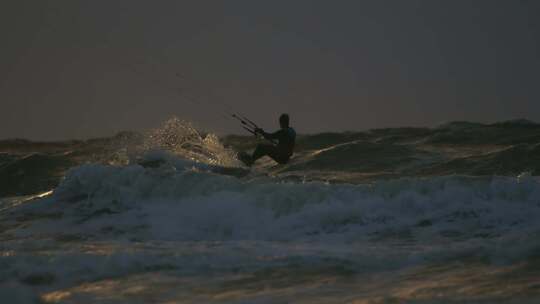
(281, 152)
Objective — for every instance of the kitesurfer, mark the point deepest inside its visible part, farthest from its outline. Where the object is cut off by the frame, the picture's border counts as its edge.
(281, 151)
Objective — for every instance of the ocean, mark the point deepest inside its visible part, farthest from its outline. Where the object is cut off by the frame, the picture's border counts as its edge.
(449, 214)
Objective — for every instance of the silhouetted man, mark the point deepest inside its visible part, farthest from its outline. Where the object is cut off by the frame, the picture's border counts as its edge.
(280, 152)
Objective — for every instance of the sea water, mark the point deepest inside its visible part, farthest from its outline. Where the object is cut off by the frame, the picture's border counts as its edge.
(184, 231)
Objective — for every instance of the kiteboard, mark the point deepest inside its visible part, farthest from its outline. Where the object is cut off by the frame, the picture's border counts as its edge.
(245, 158)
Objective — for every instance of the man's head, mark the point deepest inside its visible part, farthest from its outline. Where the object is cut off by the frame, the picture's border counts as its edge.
(284, 120)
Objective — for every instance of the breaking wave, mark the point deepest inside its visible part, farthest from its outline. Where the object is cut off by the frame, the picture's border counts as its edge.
(189, 203)
(175, 205)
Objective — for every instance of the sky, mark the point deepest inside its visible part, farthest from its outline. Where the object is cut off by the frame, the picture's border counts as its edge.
(79, 69)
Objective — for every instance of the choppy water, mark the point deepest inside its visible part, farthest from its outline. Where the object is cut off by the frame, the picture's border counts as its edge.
(444, 215)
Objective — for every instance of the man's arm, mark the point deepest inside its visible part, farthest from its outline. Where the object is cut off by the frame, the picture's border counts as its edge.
(270, 136)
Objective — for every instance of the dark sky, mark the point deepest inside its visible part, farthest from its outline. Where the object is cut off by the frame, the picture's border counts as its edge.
(77, 69)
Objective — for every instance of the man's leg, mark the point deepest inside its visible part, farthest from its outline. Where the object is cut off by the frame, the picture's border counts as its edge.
(262, 150)
(267, 150)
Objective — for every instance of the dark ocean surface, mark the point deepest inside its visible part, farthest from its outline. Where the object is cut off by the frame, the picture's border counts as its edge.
(449, 214)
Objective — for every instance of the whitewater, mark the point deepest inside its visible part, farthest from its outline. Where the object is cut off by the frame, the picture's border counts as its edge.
(443, 215)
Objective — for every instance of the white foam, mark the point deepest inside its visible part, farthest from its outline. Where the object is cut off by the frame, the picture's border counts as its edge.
(130, 219)
(192, 204)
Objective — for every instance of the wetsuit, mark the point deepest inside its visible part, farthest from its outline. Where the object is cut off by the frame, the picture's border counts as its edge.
(281, 152)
